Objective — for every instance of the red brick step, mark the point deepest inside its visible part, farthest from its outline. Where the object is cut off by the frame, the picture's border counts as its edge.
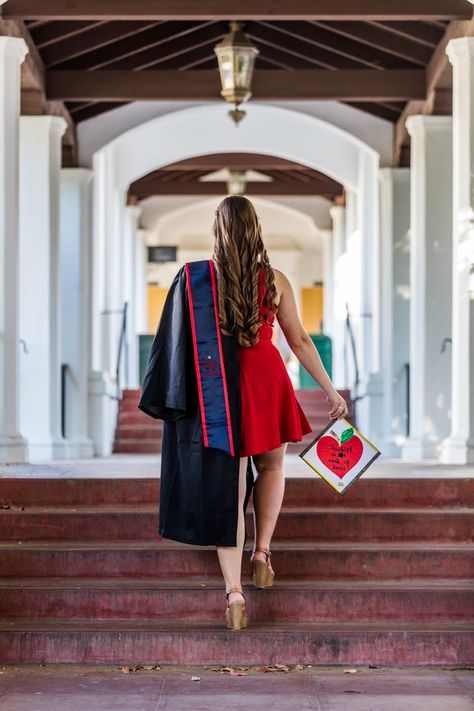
(366, 493)
(301, 524)
(171, 600)
(293, 561)
(154, 642)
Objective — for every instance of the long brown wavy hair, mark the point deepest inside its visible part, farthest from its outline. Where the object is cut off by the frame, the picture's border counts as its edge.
(238, 245)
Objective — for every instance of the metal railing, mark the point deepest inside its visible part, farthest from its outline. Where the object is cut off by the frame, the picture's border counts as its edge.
(65, 369)
(406, 369)
(122, 350)
(354, 354)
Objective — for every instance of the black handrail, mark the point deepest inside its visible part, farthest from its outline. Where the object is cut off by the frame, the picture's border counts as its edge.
(65, 368)
(122, 348)
(353, 348)
(406, 368)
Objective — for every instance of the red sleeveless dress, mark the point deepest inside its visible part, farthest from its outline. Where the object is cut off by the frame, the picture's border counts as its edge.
(270, 412)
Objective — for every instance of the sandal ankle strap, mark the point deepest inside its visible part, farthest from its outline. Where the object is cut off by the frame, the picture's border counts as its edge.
(234, 590)
(266, 551)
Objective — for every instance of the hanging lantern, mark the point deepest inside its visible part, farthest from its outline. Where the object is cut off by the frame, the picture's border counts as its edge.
(236, 57)
(236, 182)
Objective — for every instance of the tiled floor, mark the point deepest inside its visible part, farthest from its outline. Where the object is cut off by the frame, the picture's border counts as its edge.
(76, 688)
(148, 465)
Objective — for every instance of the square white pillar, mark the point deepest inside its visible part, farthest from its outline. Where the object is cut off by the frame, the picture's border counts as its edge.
(328, 282)
(458, 448)
(131, 362)
(394, 306)
(141, 282)
(12, 444)
(430, 285)
(75, 287)
(338, 335)
(40, 365)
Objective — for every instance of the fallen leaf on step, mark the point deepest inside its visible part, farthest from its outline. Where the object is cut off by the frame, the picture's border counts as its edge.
(151, 667)
(140, 667)
(275, 668)
(195, 678)
(351, 671)
(237, 673)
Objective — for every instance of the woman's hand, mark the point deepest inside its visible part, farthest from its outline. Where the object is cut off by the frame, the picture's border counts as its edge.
(339, 405)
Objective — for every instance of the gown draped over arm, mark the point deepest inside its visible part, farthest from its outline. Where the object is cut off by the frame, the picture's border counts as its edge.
(198, 484)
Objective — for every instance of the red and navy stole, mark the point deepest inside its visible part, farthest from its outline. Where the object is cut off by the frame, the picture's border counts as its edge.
(208, 357)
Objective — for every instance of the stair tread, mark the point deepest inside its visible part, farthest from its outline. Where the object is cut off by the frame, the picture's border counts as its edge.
(163, 544)
(153, 508)
(283, 628)
(196, 583)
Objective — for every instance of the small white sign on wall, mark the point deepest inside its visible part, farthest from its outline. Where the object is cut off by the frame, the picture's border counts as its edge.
(340, 454)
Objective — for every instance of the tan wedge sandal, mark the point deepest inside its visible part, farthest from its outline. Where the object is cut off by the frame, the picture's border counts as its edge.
(235, 614)
(263, 576)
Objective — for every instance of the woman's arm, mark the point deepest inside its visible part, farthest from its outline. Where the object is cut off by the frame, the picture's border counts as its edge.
(304, 348)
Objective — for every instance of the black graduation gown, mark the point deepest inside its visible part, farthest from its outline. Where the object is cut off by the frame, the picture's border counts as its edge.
(199, 484)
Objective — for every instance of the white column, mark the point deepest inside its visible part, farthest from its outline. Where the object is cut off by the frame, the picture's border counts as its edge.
(141, 283)
(75, 286)
(458, 448)
(12, 445)
(107, 301)
(40, 365)
(338, 335)
(430, 284)
(367, 320)
(328, 282)
(395, 305)
(130, 365)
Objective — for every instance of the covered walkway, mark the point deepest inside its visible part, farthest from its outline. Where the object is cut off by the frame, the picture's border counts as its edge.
(357, 149)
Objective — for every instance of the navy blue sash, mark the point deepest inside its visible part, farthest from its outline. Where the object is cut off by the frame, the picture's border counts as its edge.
(208, 358)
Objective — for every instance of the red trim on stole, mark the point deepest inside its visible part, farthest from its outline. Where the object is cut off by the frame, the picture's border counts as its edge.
(226, 397)
(196, 360)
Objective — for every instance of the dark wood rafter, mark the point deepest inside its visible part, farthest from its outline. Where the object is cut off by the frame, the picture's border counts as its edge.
(427, 35)
(99, 56)
(350, 85)
(379, 38)
(51, 32)
(235, 161)
(341, 48)
(185, 178)
(142, 41)
(94, 38)
(435, 70)
(312, 188)
(33, 79)
(237, 9)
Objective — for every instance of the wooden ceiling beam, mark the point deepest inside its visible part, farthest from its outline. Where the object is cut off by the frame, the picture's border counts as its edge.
(236, 161)
(52, 32)
(125, 48)
(174, 47)
(423, 34)
(349, 85)
(91, 39)
(238, 9)
(435, 70)
(377, 37)
(199, 187)
(362, 54)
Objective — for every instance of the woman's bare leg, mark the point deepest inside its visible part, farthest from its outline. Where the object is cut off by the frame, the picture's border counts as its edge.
(230, 558)
(268, 493)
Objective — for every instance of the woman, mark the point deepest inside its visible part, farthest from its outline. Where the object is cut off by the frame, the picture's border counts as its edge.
(222, 388)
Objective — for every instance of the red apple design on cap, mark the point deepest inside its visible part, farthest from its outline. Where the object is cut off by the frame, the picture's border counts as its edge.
(340, 456)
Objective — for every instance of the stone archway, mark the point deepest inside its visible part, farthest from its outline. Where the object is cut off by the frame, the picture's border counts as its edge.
(266, 130)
